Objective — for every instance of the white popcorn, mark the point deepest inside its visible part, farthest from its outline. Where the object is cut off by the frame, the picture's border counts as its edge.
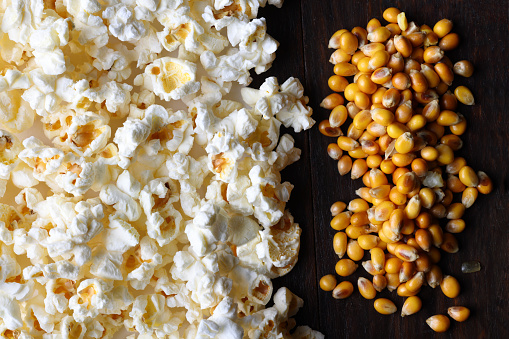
(169, 78)
(122, 23)
(222, 323)
(280, 245)
(10, 312)
(151, 316)
(184, 209)
(96, 296)
(267, 196)
(15, 114)
(142, 263)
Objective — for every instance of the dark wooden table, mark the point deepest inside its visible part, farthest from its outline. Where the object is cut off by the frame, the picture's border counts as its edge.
(303, 29)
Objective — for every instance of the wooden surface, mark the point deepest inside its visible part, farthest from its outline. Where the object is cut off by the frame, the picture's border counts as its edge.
(303, 29)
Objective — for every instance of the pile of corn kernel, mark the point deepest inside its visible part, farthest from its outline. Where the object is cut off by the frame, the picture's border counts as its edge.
(405, 129)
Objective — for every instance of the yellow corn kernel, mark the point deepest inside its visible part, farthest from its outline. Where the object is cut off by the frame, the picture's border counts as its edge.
(485, 185)
(406, 182)
(428, 197)
(354, 251)
(380, 34)
(450, 287)
(370, 147)
(406, 271)
(445, 73)
(325, 128)
(449, 42)
(348, 42)
(445, 154)
(331, 101)
(423, 239)
(362, 119)
(460, 127)
(328, 282)
(458, 313)
(377, 258)
(359, 167)
(396, 129)
(392, 281)
(347, 144)
(416, 282)
(338, 116)
(363, 192)
(455, 166)
(429, 153)
(438, 323)
(334, 40)
(384, 210)
(403, 45)
(379, 282)
(419, 167)
(433, 54)
(379, 59)
(430, 75)
(345, 69)
(377, 178)
(380, 192)
(354, 232)
(361, 34)
(337, 208)
(350, 91)
(469, 196)
(404, 143)
(454, 184)
(339, 243)
(343, 290)
(382, 116)
(412, 305)
(334, 151)
(464, 68)
(337, 83)
(438, 211)
(431, 111)
(434, 255)
(368, 241)
(368, 266)
(341, 221)
(450, 244)
(391, 98)
(387, 166)
(391, 14)
(443, 27)
(406, 253)
(402, 291)
(468, 177)
(339, 56)
(434, 277)
(455, 211)
(381, 75)
(419, 82)
(417, 122)
(464, 95)
(436, 234)
(345, 267)
(385, 306)
(423, 220)
(455, 226)
(413, 208)
(366, 288)
(393, 265)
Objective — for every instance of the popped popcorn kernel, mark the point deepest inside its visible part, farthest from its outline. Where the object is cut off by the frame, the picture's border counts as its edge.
(148, 196)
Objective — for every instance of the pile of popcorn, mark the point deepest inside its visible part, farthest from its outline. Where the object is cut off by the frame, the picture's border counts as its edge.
(130, 214)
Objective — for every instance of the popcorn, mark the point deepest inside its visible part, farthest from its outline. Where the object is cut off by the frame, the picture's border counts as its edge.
(122, 23)
(175, 227)
(267, 196)
(169, 78)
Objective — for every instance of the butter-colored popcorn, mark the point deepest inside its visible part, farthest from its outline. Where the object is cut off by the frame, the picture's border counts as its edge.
(169, 78)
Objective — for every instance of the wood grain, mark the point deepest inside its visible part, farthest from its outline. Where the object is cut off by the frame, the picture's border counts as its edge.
(303, 29)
